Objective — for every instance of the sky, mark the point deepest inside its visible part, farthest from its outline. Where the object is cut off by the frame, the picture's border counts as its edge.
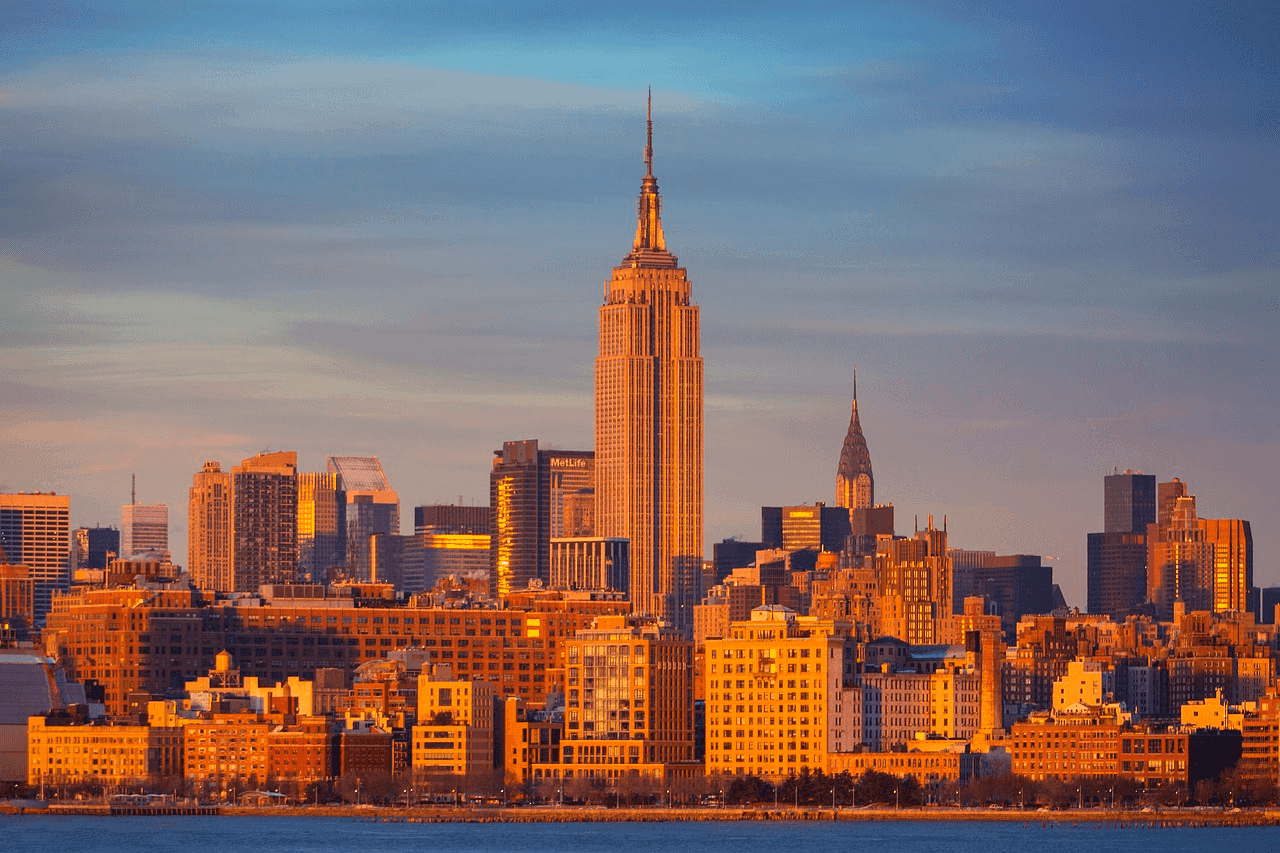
(1047, 238)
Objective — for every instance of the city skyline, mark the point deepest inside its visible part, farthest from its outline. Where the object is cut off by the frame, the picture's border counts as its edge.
(1043, 236)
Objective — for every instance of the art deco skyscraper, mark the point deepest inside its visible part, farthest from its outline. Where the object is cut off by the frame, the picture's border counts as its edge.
(649, 417)
(855, 485)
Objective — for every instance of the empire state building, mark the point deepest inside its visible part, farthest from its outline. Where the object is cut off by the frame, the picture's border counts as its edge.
(649, 417)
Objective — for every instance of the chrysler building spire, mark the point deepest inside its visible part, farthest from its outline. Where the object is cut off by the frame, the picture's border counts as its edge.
(855, 485)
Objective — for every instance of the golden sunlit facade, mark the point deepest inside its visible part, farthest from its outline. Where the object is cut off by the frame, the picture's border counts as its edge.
(649, 418)
(209, 529)
(770, 687)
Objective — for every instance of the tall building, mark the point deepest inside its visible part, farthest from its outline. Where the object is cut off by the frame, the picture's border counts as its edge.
(1117, 557)
(589, 563)
(527, 488)
(1206, 563)
(322, 526)
(95, 547)
(264, 520)
(914, 580)
(372, 507)
(35, 531)
(855, 485)
(144, 529)
(794, 528)
(1128, 502)
(1117, 573)
(209, 529)
(649, 417)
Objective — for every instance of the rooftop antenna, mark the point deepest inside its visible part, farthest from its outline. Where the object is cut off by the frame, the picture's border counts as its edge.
(648, 145)
(133, 488)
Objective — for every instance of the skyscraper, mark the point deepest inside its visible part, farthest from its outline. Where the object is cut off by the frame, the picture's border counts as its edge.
(322, 525)
(1117, 557)
(35, 531)
(527, 487)
(95, 547)
(144, 529)
(209, 529)
(1206, 563)
(264, 520)
(855, 485)
(649, 417)
(372, 507)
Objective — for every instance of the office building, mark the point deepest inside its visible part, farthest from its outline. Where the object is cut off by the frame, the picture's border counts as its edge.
(589, 563)
(649, 414)
(444, 554)
(451, 518)
(209, 541)
(95, 547)
(35, 531)
(372, 507)
(264, 520)
(144, 529)
(1117, 573)
(1128, 502)
(322, 526)
(855, 484)
(527, 487)
(1117, 557)
(816, 527)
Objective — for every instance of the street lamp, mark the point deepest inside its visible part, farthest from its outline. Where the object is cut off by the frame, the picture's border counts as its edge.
(897, 800)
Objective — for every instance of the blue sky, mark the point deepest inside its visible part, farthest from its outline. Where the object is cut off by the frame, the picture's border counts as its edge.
(1047, 237)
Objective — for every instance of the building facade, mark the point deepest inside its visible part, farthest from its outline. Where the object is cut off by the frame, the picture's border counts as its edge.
(649, 411)
(209, 540)
(322, 526)
(35, 531)
(527, 490)
(264, 520)
(628, 701)
(144, 529)
(591, 563)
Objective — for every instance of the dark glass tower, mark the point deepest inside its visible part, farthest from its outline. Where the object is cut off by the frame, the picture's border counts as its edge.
(1117, 557)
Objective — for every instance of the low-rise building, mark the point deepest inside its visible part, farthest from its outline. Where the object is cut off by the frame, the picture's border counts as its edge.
(64, 747)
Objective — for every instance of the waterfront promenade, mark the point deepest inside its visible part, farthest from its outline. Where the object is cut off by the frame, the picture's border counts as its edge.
(1153, 818)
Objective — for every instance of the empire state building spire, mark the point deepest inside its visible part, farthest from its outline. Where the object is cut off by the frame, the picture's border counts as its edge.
(855, 485)
(650, 247)
(649, 409)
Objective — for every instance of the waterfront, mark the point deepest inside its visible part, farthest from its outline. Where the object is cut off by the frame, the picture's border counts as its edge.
(81, 834)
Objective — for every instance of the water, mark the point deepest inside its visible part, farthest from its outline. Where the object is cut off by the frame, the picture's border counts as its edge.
(309, 835)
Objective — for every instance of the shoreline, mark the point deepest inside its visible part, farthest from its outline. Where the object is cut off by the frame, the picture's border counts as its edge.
(1119, 818)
